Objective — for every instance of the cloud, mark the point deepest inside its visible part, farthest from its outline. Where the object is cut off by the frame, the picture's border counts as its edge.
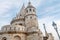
(50, 10)
(4, 7)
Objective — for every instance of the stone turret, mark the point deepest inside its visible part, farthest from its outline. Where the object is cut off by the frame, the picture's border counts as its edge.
(19, 19)
(31, 18)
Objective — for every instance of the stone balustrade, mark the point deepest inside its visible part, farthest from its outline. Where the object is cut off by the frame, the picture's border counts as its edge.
(16, 28)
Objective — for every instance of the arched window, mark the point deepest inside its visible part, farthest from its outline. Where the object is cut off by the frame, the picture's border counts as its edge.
(33, 10)
(30, 17)
(20, 24)
(17, 38)
(29, 9)
(4, 38)
(20, 15)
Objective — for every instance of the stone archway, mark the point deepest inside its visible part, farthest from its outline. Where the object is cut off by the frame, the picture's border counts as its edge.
(17, 38)
(4, 38)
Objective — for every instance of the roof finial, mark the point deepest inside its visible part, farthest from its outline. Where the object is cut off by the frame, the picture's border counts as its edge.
(29, 2)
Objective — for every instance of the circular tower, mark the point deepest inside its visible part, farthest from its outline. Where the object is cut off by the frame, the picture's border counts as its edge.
(31, 17)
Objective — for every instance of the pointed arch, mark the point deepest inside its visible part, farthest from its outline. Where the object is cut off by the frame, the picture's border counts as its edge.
(17, 37)
(4, 38)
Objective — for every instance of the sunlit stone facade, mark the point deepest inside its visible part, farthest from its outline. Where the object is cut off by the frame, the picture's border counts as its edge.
(22, 27)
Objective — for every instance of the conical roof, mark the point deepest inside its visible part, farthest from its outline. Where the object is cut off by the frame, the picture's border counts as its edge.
(20, 15)
(22, 12)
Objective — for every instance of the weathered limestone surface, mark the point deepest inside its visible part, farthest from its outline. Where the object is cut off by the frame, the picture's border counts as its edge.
(23, 27)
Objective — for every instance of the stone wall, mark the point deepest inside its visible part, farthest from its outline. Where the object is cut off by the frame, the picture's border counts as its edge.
(12, 36)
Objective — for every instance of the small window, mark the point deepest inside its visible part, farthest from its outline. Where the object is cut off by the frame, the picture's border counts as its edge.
(20, 14)
(35, 18)
(33, 10)
(26, 17)
(30, 9)
(15, 24)
(4, 38)
(30, 17)
(14, 28)
(27, 11)
(10, 28)
(20, 24)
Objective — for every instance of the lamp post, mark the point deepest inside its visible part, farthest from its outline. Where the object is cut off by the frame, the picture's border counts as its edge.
(56, 29)
(46, 37)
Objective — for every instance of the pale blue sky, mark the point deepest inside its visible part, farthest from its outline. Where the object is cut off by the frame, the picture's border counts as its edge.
(47, 11)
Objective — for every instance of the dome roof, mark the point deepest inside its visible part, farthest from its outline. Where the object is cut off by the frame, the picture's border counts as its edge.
(30, 6)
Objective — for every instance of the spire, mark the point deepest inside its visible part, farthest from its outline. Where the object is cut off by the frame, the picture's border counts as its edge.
(21, 11)
(20, 15)
(23, 6)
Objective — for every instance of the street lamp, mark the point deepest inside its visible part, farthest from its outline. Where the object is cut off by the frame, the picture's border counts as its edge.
(46, 37)
(55, 27)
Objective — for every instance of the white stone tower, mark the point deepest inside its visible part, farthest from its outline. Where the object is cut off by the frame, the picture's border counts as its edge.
(31, 22)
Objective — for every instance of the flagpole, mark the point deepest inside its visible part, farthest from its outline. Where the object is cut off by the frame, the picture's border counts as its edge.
(56, 29)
